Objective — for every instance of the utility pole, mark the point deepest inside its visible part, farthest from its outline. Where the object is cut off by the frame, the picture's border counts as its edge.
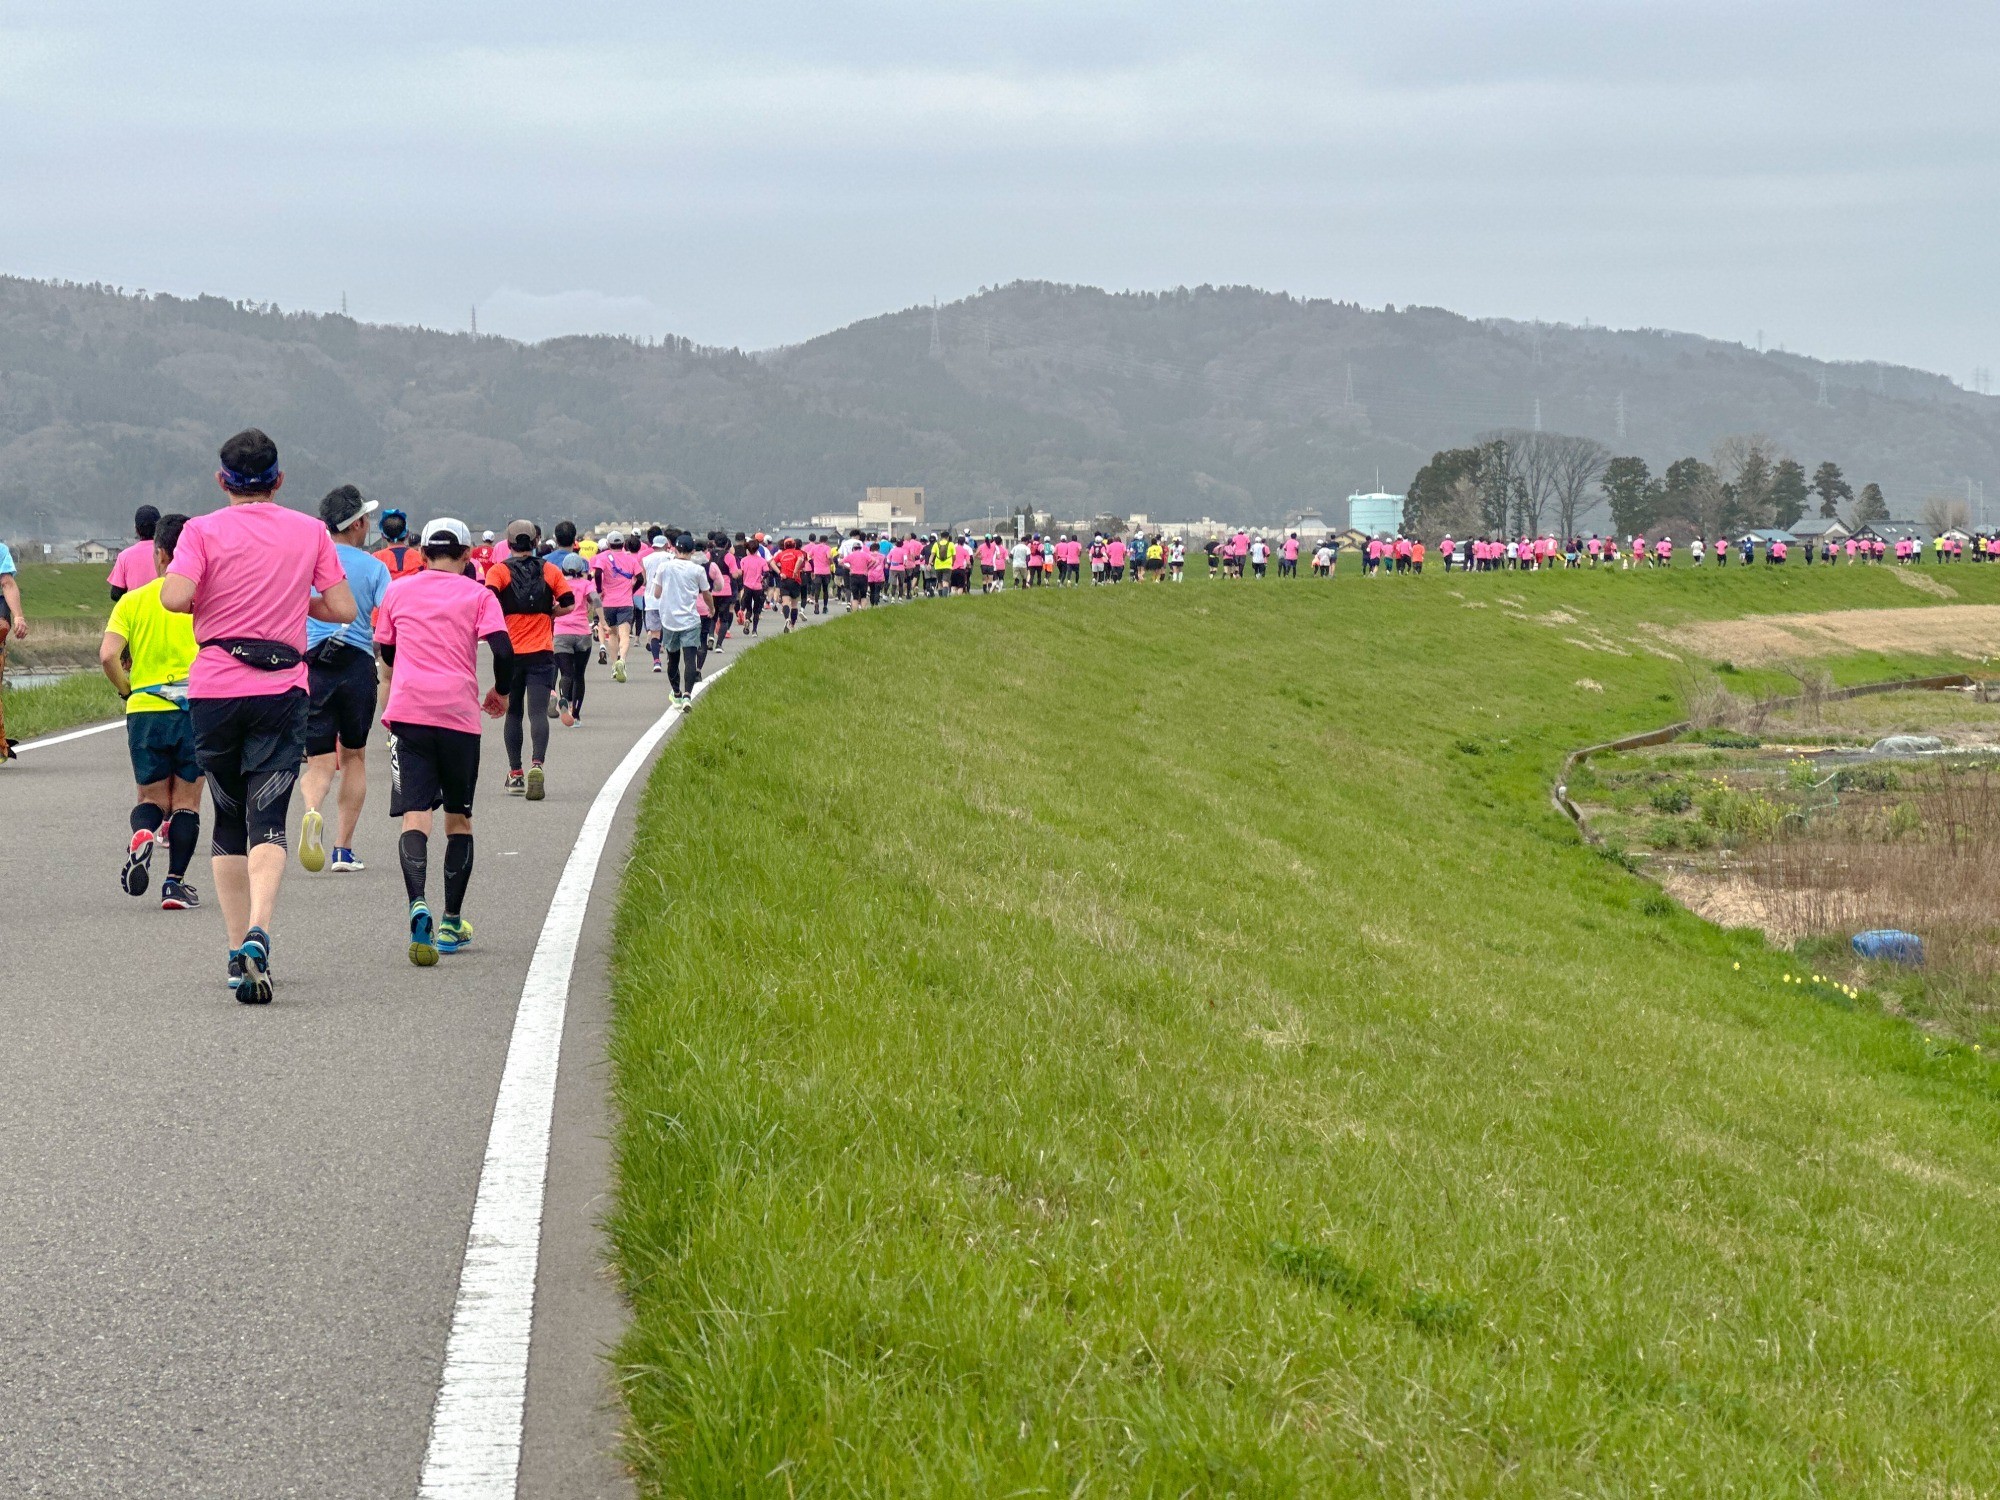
(1538, 413)
(1621, 416)
(1349, 403)
(937, 343)
(475, 320)
(1823, 402)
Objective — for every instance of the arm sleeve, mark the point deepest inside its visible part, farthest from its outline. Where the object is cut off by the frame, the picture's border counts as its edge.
(502, 647)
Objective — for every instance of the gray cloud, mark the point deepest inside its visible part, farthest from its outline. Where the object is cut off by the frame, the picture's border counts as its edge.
(753, 175)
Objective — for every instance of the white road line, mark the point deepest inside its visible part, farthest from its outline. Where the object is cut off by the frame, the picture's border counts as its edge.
(475, 1443)
(62, 739)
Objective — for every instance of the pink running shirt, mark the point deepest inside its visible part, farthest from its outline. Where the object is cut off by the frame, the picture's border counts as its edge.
(617, 573)
(134, 568)
(436, 621)
(254, 567)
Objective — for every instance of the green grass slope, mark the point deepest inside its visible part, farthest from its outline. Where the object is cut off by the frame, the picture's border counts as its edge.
(1163, 1041)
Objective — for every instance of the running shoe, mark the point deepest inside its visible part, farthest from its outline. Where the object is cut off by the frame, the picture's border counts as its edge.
(516, 784)
(138, 857)
(256, 955)
(423, 936)
(537, 787)
(601, 656)
(312, 841)
(618, 670)
(657, 667)
(453, 934)
(344, 863)
(568, 717)
(177, 895)
(554, 708)
(235, 976)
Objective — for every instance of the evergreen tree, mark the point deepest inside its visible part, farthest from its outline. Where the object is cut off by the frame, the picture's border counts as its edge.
(1832, 488)
(1788, 492)
(1633, 493)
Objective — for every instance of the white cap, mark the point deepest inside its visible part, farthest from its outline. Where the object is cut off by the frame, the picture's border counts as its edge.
(485, 536)
(445, 529)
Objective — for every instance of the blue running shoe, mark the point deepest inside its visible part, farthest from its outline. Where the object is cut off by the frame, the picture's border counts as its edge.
(256, 955)
(454, 933)
(423, 936)
(344, 863)
(235, 970)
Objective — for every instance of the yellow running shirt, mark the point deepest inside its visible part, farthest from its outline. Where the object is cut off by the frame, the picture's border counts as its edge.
(162, 647)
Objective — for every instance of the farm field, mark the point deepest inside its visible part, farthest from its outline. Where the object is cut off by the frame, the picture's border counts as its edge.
(1165, 1041)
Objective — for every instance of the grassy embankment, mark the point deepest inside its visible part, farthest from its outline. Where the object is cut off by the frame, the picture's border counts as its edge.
(66, 605)
(1164, 1041)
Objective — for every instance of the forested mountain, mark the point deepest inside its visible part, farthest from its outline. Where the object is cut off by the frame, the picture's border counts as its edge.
(1229, 402)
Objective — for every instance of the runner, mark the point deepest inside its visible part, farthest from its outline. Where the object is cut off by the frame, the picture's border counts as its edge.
(396, 554)
(573, 638)
(136, 564)
(158, 731)
(430, 626)
(684, 594)
(790, 565)
(753, 567)
(722, 591)
(616, 573)
(646, 605)
(13, 620)
(247, 574)
(819, 567)
(340, 667)
(532, 593)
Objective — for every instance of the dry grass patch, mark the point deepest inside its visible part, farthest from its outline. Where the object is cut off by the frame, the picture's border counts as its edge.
(1971, 630)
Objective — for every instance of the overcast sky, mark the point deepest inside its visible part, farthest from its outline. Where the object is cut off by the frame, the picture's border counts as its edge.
(754, 174)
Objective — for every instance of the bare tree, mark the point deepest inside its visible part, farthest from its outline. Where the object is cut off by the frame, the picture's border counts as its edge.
(1576, 464)
(1518, 479)
(1941, 513)
(1537, 452)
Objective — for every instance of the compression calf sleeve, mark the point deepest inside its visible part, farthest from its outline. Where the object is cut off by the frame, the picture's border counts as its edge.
(457, 870)
(148, 817)
(414, 851)
(674, 671)
(182, 832)
(690, 669)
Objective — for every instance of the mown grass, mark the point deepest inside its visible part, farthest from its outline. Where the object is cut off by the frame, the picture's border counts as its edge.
(83, 698)
(69, 592)
(1163, 1041)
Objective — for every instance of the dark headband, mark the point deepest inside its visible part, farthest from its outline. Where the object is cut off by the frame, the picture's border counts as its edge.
(239, 483)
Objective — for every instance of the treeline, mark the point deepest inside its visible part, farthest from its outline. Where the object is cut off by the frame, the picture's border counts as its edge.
(1531, 483)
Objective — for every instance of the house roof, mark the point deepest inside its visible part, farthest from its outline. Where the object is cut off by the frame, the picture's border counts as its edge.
(1819, 526)
(1892, 531)
(1769, 534)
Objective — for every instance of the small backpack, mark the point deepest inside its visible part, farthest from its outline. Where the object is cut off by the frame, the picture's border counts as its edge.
(527, 591)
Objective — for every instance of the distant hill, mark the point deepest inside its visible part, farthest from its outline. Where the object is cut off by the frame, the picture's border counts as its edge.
(1228, 402)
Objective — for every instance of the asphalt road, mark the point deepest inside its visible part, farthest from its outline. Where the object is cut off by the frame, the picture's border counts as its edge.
(230, 1237)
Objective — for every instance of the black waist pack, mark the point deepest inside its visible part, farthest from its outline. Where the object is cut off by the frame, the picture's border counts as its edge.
(332, 652)
(265, 656)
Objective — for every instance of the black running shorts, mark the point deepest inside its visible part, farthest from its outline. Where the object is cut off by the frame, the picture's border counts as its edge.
(431, 767)
(244, 737)
(343, 703)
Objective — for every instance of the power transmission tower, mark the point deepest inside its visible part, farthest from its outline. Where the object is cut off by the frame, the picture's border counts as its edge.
(1349, 403)
(937, 343)
(1823, 402)
(1621, 416)
(343, 304)
(475, 320)
(1538, 413)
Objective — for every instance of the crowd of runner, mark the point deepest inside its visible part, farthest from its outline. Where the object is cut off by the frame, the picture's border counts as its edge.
(254, 647)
